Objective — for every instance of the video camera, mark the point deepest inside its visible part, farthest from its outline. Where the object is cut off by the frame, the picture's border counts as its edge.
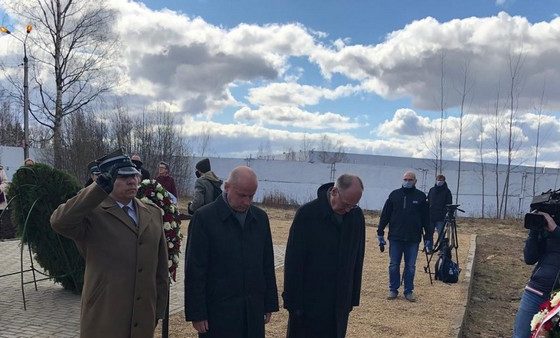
(451, 209)
(548, 202)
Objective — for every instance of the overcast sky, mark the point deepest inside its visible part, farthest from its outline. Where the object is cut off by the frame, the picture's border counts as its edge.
(269, 74)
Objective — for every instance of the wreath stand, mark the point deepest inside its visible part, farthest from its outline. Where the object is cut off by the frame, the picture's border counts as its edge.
(31, 268)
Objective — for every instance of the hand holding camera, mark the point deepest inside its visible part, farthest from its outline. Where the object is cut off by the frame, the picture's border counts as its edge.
(545, 212)
(539, 220)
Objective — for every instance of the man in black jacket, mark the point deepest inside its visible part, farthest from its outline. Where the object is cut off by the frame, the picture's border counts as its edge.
(406, 213)
(324, 259)
(438, 197)
(230, 285)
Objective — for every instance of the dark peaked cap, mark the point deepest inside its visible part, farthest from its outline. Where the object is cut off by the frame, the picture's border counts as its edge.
(203, 165)
(137, 163)
(93, 168)
(117, 158)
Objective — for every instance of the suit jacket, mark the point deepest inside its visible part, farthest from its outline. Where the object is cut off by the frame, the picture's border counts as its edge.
(126, 275)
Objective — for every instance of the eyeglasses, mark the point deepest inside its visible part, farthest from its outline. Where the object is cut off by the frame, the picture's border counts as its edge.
(408, 179)
(346, 205)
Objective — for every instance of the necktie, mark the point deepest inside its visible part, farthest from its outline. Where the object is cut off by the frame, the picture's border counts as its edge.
(126, 208)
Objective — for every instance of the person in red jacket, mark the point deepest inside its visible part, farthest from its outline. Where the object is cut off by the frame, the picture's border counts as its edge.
(166, 180)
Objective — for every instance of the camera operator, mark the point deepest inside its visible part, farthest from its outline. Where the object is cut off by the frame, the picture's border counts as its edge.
(541, 247)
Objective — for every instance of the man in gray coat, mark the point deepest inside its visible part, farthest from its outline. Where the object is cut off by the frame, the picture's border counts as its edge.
(207, 186)
(122, 241)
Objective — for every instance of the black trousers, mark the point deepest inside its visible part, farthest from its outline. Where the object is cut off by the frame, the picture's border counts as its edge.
(304, 327)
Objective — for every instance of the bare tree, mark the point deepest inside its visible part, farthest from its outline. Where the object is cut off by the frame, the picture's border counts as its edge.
(330, 151)
(539, 111)
(11, 133)
(143, 142)
(464, 91)
(85, 140)
(430, 140)
(515, 63)
(264, 152)
(433, 141)
(305, 148)
(157, 136)
(480, 148)
(72, 49)
(120, 128)
(439, 157)
(289, 154)
(497, 124)
(204, 141)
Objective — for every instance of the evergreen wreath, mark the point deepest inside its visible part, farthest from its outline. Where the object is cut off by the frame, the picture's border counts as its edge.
(37, 191)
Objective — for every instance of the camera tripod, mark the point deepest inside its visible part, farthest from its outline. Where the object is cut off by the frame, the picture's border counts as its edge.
(449, 233)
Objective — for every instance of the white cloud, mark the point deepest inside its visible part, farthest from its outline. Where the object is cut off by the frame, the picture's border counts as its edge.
(291, 93)
(187, 60)
(408, 62)
(405, 122)
(289, 116)
(190, 66)
(244, 139)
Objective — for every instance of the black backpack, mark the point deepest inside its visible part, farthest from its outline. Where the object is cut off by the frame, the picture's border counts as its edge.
(446, 270)
(217, 191)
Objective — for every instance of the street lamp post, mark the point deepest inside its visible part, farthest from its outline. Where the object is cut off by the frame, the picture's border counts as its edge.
(25, 88)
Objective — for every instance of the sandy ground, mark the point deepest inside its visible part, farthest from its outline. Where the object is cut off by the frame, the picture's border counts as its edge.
(433, 315)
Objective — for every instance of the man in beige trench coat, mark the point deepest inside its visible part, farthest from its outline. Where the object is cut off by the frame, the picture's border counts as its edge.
(126, 274)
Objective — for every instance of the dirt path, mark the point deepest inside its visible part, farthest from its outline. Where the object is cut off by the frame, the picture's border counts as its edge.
(499, 277)
(498, 280)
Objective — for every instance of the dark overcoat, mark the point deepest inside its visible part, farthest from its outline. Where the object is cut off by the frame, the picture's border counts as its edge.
(229, 273)
(126, 275)
(438, 198)
(323, 268)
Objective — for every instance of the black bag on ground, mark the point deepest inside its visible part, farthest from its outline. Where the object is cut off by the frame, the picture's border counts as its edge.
(446, 270)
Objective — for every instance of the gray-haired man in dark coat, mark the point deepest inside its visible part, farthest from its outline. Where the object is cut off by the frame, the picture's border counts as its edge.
(324, 260)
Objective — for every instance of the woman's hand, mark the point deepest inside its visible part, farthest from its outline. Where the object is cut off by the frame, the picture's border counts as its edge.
(550, 224)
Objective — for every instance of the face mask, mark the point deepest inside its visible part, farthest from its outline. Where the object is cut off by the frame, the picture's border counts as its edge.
(439, 183)
(408, 184)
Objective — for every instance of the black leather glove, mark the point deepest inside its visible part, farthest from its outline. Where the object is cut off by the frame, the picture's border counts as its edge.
(106, 180)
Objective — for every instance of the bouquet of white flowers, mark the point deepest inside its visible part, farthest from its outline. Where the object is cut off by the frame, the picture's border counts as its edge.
(152, 192)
